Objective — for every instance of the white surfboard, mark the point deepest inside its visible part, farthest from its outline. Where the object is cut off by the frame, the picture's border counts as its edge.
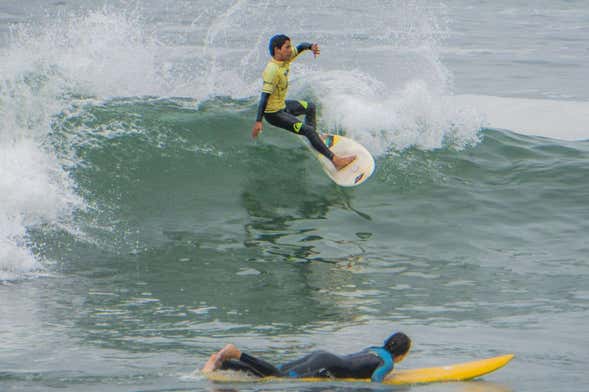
(356, 172)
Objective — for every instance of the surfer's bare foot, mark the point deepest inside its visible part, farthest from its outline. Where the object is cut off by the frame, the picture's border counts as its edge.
(216, 360)
(229, 352)
(341, 162)
(212, 364)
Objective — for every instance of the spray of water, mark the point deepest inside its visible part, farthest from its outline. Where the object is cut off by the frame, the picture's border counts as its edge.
(399, 94)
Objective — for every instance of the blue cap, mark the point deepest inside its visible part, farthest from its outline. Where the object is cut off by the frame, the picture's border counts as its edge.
(273, 40)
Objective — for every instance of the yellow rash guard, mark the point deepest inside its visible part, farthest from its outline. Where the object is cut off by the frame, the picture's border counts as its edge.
(276, 80)
(283, 114)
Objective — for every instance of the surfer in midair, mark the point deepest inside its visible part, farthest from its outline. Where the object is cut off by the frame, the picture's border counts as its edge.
(373, 362)
(283, 113)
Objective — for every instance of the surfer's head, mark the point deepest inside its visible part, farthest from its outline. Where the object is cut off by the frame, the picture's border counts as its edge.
(398, 344)
(279, 47)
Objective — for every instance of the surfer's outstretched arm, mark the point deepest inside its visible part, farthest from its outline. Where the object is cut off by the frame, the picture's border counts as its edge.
(307, 46)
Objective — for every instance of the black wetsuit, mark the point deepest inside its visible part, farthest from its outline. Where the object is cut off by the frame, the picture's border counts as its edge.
(374, 363)
(286, 119)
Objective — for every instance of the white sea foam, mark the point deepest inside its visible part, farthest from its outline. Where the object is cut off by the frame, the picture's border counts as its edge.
(33, 190)
(50, 68)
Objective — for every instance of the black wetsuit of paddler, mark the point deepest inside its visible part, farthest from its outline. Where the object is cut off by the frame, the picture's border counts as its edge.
(373, 363)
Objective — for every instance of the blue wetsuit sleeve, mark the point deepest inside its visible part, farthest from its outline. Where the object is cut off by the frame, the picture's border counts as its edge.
(303, 46)
(380, 373)
(262, 106)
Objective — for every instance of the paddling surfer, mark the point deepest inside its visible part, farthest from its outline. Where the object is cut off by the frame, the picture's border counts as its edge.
(374, 363)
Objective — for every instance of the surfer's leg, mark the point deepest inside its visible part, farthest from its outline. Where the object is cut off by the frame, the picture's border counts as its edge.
(316, 141)
(238, 366)
(288, 121)
(216, 360)
(318, 144)
(230, 357)
(298, 108)
(256, 366)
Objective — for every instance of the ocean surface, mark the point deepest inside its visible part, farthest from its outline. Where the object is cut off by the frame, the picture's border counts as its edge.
(141, 228)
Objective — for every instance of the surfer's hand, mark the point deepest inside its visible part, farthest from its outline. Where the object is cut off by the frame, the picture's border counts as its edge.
(315, 49)
(256, 129)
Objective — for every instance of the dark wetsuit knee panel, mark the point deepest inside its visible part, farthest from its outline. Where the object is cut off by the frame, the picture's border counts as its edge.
(282, 119)
(300, 107)
(296, 108)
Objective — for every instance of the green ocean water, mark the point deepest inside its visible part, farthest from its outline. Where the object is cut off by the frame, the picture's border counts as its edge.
(141, 228)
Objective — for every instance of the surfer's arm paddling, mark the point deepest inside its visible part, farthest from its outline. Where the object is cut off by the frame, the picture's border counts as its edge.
(283, 113)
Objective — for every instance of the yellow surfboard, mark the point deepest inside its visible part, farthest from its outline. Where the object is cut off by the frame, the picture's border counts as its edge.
(356, 172)
(457, 372)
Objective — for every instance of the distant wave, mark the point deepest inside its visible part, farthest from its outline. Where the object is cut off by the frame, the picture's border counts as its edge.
(565, 120)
